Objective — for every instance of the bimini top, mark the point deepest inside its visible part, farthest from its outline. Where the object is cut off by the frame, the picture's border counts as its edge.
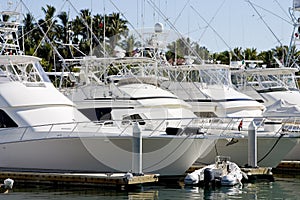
(17, 59)
(267, 71)
(22, 68)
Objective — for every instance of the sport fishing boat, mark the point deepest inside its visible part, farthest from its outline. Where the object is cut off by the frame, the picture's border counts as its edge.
(120, 81)
(132, 95)
(208, 88)
(278, 90)
(42, 130)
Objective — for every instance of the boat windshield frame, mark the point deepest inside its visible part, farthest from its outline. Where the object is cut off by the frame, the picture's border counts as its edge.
(266, 79)
(26, 69)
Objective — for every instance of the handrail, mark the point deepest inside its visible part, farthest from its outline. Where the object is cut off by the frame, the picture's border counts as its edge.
(212, 126)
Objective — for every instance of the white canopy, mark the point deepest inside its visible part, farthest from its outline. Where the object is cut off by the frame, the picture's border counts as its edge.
(281, 108)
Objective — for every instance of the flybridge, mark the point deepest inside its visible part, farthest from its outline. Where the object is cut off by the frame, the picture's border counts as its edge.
(9, 23)
(26, 69)
(296, 5)
(14, 65)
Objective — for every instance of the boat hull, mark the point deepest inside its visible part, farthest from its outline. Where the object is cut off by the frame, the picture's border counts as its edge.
(162, 155)
(294, 154)
(270, 150)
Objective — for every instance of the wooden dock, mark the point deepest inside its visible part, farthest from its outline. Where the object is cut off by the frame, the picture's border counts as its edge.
(115, 180)
(119, 180)
(288, 167)
(258, 174)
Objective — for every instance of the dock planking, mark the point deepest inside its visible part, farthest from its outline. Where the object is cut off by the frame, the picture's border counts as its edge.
(117, 180)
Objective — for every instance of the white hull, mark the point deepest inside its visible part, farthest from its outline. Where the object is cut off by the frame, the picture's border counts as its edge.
(238, 151)
(294, 154)
(102, 154)
(221, 100)
(271, 85)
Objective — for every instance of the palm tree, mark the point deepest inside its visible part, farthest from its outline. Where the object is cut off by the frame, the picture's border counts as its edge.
(63, 28)
(49, 27)
(129, 44)
(237, 54)
(250, 54)
(49, 23)
(64, 35)
(98, 26)
(115, 28)
(31, 37)
(201, 51)
(222, 57)
(292, 60)
(266, 57)
(280, 52)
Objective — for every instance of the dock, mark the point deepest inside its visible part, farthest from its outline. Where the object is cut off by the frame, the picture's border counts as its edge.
(112, 180)
(122, 181)
(288, 167)
(258, 174)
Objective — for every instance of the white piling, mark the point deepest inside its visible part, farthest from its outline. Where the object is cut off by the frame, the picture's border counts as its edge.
(252, 145)
(137, 147)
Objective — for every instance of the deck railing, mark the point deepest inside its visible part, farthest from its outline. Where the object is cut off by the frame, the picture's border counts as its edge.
(150, 128)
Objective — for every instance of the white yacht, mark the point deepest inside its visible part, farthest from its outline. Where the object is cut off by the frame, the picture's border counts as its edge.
(42, 130)
(129, 95)
(276, 88)
(208, 88)
(132, 88)
(124, 96)
(267, 85)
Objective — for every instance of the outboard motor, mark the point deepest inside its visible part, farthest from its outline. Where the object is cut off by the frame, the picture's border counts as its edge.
(208, 177)
(8, 183)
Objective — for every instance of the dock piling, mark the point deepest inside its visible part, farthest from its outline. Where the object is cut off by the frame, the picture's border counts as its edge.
(252, 145)
(137, 147)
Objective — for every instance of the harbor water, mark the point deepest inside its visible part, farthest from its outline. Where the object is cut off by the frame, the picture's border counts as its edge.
(284, 187)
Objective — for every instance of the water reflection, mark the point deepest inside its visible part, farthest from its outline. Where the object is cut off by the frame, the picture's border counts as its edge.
(215, 193)
(282, 188)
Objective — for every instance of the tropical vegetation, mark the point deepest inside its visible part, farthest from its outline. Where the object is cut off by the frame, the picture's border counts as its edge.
(56, 37)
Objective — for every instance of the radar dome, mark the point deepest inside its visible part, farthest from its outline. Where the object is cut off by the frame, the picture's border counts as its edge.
(158, 27)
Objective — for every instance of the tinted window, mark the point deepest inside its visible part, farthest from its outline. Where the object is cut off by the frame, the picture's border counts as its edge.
(6, 121)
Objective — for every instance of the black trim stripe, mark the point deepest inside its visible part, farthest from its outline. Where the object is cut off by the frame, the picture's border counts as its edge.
(272, 90)
(133, 98)
(219, 100)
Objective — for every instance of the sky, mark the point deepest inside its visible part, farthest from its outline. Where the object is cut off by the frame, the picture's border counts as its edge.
(218, 25)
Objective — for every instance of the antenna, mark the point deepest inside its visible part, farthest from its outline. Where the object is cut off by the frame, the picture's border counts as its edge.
(288, 55)
(208, 24)
(264, 22)
(10, 4)
(175, 29)
(295, 33)
(91, 29)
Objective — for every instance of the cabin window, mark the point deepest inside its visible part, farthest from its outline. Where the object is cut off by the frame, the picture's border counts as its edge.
(97, 114)
(135, 117)
(42, 72)
(205, 114)
(6, 121)
(103, 113)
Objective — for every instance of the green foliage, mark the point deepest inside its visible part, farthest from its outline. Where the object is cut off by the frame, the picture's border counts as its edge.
(61, 31)
(111, 30)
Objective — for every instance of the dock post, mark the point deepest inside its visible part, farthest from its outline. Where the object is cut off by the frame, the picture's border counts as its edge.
(252, 145)
(137, 147)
